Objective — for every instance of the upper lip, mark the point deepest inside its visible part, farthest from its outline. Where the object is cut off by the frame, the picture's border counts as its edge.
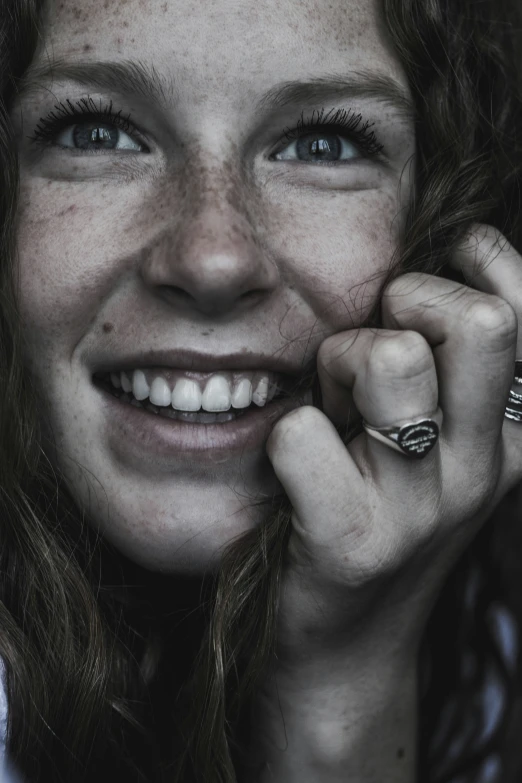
(198, 362)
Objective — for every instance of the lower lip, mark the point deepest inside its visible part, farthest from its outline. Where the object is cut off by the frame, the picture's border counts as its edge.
(148, 432)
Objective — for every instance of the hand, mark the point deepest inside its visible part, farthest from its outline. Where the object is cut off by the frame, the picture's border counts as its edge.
(374, 533)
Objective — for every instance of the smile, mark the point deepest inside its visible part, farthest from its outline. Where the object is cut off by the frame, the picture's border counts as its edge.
(217, 412)
(186, 391)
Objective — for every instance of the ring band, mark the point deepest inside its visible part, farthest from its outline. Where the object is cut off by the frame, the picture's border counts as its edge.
(514, 407)
(414, 438)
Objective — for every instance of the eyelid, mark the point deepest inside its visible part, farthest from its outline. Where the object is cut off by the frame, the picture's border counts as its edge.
(67, 114)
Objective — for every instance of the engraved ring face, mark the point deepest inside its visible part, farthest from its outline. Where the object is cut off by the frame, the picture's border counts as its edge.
(418, 439)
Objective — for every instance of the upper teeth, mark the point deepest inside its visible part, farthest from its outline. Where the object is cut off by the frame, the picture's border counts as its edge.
(221, 390)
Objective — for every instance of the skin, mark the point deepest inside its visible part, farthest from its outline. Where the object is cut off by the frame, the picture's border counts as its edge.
(126, 252)
(141, 247)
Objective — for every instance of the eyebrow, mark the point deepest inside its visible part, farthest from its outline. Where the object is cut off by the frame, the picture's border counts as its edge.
(134, 77)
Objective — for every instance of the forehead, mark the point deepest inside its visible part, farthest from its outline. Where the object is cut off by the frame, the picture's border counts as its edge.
(225, 45)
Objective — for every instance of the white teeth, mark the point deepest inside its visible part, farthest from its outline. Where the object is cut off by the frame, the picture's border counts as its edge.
(160, 393)
(140, 387)
(216, 396)
(261, 392)
(242, 396)
(115, 378)
(186, 395)
(220, 393)
(125, 382)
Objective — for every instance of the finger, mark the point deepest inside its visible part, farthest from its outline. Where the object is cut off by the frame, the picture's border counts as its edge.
(391, 378)
(332, 488)
(316, 470)
(473, 337)
(491, 264)
(389, 375)
(335, 381)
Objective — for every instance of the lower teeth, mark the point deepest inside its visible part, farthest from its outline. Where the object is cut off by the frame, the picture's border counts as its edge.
(199, 417)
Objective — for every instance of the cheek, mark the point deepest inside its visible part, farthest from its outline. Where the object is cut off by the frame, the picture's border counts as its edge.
(70, 254)
(336, 249)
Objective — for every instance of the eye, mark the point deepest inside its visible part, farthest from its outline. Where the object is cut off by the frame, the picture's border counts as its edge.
(96, 136)
(339, 136)
(89, 127)
(318, 148)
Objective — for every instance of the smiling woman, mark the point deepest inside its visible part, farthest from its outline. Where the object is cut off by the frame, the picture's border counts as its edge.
(234, 244)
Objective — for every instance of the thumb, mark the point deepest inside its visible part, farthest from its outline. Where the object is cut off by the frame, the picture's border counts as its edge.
(315, 468)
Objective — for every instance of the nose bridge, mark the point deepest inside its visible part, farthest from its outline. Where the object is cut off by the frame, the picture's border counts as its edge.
(215, 207)
(213, 252)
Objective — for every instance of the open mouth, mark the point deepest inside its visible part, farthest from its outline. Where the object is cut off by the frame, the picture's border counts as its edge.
(103, 381)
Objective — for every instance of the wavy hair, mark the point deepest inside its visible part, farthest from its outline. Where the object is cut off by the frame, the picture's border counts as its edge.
(114, 671)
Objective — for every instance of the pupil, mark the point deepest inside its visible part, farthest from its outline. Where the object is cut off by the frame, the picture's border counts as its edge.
(95, 136)
(319, 147)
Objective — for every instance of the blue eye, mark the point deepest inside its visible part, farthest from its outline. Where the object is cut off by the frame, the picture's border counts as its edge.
(321, 147)
(95, 135)
(325, 138)
(85, 126)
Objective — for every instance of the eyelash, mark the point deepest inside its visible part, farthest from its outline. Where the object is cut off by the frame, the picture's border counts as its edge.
(343, 122)
(85, 108)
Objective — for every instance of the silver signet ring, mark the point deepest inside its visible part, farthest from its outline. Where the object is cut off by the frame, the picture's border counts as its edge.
(414, 438)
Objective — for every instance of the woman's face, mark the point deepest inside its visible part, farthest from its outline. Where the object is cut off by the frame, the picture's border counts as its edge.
(197, 228)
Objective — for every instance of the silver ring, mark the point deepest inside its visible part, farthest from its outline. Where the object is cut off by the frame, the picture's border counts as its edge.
(514, 407)
(414, 438)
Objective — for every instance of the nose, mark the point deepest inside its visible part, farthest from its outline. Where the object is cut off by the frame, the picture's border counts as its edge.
(208, 258)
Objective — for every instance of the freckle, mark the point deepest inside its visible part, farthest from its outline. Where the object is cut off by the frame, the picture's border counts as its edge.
(108, 327)
(205, 334)
(70, 208)
(87, 47)
(400, 753)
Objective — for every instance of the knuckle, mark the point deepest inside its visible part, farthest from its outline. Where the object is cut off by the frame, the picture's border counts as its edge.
(335, 347)
(402, 286)
(494, 318)
(405, 355)
(482, 244)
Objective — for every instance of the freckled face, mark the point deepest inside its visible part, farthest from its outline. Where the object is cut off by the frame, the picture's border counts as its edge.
(197, 225)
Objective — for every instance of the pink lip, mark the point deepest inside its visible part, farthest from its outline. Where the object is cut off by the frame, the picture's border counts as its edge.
(156, 435)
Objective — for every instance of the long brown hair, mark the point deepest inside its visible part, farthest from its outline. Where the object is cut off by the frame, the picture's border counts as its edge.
(114, 672)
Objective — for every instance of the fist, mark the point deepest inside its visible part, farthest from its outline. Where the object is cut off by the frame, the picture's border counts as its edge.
(374, 532)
